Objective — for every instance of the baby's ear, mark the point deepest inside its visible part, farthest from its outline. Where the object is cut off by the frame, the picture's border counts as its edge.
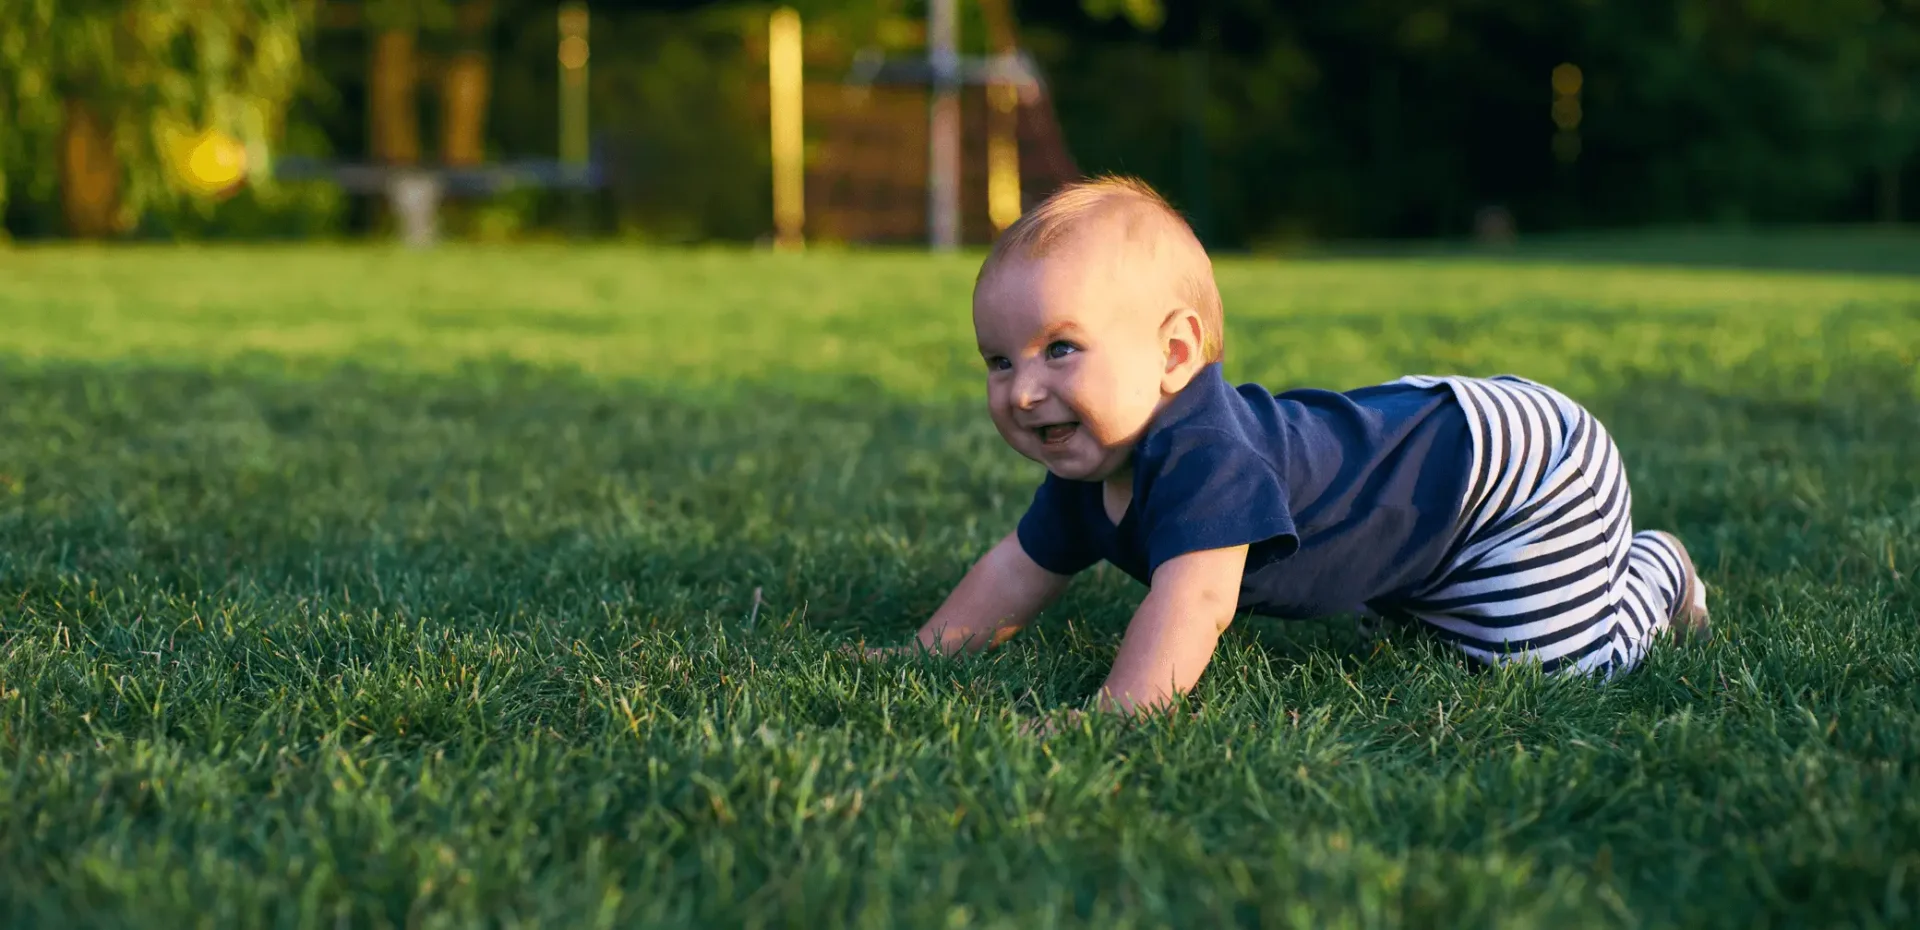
(1182, 337)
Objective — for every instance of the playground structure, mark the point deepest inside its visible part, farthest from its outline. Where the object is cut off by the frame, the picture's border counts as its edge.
(939, 148)
(414, 191)
(943, 147)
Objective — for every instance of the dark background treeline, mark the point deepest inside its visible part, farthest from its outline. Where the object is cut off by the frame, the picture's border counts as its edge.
(1266, 121)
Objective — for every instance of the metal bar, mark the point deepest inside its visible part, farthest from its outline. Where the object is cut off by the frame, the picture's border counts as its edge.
(1003, 155)
(974, 70)
(943, 128)
(483, 179)
(785, 99)
(573, 54)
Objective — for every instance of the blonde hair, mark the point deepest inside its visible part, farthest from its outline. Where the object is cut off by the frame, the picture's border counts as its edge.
(1144, 221)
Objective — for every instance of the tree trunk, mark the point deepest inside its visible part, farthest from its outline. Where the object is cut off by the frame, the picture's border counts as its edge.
(391, 105)
(463, 109)
(89, 173)
(1892, 103)
(1890, 194)
(465, 85)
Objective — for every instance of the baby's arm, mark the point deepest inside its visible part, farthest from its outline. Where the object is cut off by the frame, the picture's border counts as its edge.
(999, 596)
(1173, 633)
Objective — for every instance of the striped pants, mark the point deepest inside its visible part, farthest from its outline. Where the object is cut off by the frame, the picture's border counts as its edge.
(1545, 564)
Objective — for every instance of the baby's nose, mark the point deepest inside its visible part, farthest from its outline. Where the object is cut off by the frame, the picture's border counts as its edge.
(1028, 392)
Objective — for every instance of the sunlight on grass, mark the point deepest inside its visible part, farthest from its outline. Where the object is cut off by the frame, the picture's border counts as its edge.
(900, 323)
(360, 587)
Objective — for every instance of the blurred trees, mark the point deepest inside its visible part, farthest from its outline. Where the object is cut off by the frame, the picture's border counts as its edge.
(1376, 118)
(458, 65)
(102, 100)
(1267, 122)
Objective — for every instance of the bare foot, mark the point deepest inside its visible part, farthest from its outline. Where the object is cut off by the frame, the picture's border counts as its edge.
(1690, 614)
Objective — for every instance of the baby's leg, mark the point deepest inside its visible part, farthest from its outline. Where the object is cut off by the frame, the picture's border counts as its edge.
(1658, 558)
(1549, 567)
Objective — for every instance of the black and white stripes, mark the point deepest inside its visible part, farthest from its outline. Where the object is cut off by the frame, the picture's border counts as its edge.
(1545, 564)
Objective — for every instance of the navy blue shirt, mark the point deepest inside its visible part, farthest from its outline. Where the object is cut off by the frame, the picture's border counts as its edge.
(1344, 499)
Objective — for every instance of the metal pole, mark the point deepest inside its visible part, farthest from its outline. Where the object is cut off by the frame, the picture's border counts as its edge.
(1194, 154)
(574, 139)
(573, 84)
(786, 91)
(943, 127)
(1003, 154)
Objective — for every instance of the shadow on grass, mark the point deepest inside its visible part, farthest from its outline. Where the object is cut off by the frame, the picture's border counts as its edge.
(516, 495)
(557, 560)
(499, 491)
(1849, 250)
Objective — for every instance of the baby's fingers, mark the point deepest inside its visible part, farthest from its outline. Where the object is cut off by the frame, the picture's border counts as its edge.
(1050, 725)
(873, 653)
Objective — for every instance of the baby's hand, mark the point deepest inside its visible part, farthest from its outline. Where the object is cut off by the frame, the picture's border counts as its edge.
(878, 653)
(1049, 725)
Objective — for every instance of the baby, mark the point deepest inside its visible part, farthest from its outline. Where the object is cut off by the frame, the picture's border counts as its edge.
(1493, 511)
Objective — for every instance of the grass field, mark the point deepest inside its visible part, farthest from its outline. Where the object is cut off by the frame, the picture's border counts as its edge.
(357, 588)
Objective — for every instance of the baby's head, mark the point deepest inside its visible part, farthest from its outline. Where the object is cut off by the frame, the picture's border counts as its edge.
(1092, 311)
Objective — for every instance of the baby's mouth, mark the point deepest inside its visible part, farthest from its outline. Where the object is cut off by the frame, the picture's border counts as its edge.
(1056, 434)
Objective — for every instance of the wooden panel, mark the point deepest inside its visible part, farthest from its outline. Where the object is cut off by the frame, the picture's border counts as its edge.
(867, 175)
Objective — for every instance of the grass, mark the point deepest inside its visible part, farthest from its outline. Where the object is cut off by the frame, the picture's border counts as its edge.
(1853, 249)
(357, 588)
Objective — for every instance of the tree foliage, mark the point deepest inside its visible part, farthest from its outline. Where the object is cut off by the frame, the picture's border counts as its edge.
(1379, 118)
(154, 72)
(1266, 121)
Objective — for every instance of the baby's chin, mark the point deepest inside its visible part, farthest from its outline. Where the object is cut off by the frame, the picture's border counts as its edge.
(1098, 467)
(1072, 474)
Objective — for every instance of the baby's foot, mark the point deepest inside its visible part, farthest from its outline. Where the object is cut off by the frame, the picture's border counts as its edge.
(1690, 610)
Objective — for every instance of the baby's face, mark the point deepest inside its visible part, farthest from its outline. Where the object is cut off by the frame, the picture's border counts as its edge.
(1074, 360)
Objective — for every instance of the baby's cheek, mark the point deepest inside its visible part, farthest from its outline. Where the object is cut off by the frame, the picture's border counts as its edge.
(1124, 415)
(1006, 429)
(1113, 431)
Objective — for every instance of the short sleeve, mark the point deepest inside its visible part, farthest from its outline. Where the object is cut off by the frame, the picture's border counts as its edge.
(1054, 532)
(1208, 489)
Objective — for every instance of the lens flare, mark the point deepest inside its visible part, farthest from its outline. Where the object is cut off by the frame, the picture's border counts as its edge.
(213, 163)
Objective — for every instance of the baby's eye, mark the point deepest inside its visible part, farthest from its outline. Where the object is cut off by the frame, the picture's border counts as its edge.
(1061, 349)
(998, 363)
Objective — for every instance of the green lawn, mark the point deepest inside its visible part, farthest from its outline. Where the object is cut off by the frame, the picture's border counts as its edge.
(360, 588)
